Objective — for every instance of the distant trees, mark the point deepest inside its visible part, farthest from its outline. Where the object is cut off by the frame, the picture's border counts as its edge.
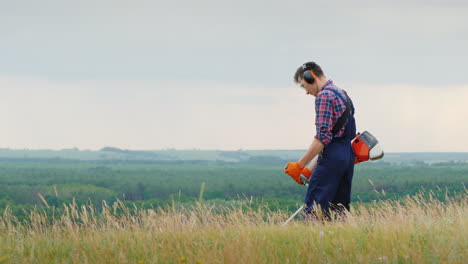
(159, 184)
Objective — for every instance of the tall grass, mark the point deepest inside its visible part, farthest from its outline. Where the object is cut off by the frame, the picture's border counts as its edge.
(418, 229)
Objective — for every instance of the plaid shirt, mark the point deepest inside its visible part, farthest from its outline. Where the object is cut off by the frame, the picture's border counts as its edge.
(328, 109)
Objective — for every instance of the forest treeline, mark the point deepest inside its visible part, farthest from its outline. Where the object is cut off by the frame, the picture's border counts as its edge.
(29, 183)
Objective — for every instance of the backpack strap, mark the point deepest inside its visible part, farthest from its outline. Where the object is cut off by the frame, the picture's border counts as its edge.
(342, 120)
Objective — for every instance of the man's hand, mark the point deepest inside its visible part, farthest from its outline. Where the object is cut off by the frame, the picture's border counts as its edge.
(294, 170)
(307, 173)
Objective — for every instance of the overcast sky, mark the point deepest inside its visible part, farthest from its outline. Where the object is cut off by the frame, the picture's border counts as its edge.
(218, 74)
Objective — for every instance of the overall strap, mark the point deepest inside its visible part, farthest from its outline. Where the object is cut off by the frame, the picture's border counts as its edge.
(342, 120)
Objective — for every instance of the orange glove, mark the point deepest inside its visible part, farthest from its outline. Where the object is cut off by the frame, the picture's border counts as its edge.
(294, 170)
(307, 173)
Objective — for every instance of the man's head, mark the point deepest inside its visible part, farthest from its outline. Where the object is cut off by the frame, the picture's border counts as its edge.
(310, 76)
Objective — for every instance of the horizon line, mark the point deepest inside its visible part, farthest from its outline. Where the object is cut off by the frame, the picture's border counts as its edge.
(196, 149)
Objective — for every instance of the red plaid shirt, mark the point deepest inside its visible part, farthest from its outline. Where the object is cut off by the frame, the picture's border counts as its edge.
(328, 109)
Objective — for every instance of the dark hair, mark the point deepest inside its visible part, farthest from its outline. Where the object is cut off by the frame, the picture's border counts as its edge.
(308, 66)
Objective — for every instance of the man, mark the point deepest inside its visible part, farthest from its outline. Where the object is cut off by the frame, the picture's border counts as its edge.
(331, 171)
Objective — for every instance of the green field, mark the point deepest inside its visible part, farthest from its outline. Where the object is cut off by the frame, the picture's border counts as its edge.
(28, 182)
(118, 206)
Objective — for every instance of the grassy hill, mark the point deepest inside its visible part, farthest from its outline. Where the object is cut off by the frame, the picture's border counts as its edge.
(415, 230)
(171, 206)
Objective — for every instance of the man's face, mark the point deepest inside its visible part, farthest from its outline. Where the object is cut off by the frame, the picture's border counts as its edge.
(311, 89)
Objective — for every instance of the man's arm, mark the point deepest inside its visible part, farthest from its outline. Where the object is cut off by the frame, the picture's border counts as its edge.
(294, 169)
(324, 124)
(313, 151)
(323, 120)
(313, 164)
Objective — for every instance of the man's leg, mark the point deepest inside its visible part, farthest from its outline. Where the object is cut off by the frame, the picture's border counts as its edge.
(323, 185)
(343, 192)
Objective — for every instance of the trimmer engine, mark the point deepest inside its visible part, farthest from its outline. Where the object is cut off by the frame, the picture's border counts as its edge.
(366, 147)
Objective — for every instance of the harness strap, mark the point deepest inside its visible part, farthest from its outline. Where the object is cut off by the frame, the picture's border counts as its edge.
(342, 119)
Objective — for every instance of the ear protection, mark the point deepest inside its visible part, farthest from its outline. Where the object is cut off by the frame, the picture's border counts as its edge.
(308, 75)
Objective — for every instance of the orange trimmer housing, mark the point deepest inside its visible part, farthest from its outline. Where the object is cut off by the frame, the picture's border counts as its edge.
(366, 147)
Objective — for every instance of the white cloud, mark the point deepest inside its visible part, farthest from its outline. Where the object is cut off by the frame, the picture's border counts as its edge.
(414, 118)
(38, 113)
(233, 41)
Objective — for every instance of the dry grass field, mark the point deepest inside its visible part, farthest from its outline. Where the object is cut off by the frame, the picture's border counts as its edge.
(414, 230)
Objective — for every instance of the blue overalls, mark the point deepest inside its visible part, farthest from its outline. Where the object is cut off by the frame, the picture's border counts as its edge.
(330, 184)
